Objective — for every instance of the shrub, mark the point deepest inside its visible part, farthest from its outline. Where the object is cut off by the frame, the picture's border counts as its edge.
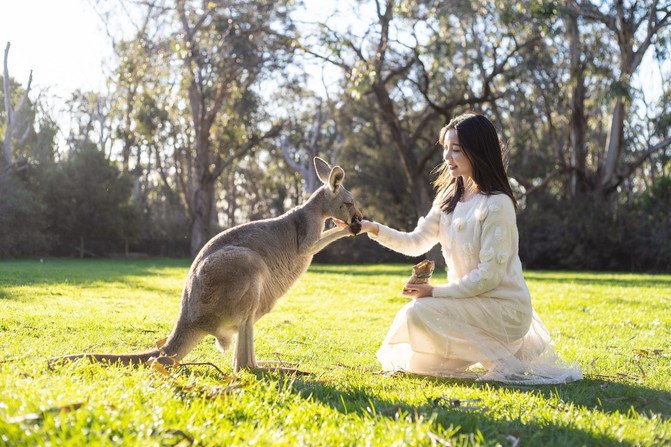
(22, 219)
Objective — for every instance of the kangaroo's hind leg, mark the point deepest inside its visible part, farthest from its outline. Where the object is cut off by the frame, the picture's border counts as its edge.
(244, 350)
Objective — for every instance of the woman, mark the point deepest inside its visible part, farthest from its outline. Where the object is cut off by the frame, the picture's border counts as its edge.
(482, 317)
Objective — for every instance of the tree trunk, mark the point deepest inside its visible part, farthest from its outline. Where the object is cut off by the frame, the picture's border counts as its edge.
(613, 146)
(637, 23)
(201, 216)
(12, 116)
(419, 187)
(577, 122)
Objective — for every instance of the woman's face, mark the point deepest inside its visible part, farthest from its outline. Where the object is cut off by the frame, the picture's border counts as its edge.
(454, 156)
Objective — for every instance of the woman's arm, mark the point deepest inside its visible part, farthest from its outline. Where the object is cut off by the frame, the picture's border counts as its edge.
(414, 243)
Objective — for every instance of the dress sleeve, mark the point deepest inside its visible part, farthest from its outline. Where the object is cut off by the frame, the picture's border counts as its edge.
(497, 239)
(415, 243)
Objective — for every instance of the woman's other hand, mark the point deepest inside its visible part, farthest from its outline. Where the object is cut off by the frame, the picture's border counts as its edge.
(416, 291)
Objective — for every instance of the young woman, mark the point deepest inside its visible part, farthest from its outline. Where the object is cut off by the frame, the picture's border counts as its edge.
(481, 322)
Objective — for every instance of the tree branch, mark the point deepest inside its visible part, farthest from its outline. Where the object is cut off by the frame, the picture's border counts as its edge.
(400, 70)
(530, 188)
(631, 167)
(652, 30)
(590, 12)
(221, 164)
(289, 159)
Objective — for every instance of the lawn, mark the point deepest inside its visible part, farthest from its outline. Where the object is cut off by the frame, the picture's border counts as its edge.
(616, 326)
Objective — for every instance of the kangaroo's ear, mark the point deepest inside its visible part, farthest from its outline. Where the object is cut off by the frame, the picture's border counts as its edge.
(323, 169)
(336, 177)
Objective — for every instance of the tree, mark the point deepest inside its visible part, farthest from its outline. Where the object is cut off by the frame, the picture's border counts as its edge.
(635, 28)
(225, 50)
(311, 133)
(90, 121)
(400, 61)
(16, 128)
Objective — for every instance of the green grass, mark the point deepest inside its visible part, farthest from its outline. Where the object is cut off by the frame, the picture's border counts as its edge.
(617, 326)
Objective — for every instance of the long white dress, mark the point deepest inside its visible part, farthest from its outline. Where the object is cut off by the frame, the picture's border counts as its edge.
(480, 324)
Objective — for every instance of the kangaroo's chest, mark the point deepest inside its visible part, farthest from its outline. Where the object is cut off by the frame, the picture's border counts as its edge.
(285, 272)
(282, 275)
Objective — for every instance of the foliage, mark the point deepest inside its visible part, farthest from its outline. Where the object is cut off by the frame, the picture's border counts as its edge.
(592, 234)
(650, 222)
(89, 198)
(22, 219)
(200, 91)
(329, 325)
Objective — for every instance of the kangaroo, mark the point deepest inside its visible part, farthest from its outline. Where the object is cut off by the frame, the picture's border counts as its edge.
(237, 277)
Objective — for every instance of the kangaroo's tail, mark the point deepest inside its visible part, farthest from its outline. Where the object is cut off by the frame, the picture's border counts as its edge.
(124, 359)
(181, 341)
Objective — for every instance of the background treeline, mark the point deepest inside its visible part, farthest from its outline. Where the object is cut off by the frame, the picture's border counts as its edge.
(215, 109)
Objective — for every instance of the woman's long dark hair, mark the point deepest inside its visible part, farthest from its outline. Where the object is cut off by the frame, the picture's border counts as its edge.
(480, 142)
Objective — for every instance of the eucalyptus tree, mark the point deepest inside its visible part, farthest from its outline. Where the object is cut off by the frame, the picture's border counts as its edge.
(17, 124)
(191, 87)
(312, 130)
(225, 49)
(90, 121)
(424, 62)
(634, 28)
(375, 64)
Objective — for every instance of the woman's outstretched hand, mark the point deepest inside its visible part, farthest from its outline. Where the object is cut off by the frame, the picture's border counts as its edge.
(366, 226)
(416, 291)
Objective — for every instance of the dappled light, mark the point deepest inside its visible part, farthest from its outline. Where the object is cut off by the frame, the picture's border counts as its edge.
(320, 375)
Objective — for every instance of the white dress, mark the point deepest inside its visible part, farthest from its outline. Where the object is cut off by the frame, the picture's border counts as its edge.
(480, 324)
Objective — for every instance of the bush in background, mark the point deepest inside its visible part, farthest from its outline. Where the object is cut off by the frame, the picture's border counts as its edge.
(22, 219)
(591, 234)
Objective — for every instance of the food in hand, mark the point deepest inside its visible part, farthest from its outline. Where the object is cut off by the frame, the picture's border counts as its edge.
(421, 272)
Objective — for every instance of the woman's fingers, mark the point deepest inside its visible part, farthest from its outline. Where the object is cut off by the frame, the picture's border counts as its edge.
(339, 223)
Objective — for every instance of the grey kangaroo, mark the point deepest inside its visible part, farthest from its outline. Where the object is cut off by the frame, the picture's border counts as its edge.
(240, 273)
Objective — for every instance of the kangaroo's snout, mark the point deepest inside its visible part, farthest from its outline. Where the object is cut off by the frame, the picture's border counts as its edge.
(354, 214)
(357, 216)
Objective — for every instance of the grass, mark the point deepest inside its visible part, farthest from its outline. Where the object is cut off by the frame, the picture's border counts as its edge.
(330, 325)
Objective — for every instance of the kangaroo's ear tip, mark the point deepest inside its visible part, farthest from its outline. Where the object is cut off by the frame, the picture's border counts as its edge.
(322, 168)
(336, 177)
(320, 162)
(337, 170)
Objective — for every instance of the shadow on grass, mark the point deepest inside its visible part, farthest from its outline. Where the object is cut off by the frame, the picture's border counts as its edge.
(598, 395)
(601, 279)
(471, 416)
(360, 269)
(80, 272)
(594, 279)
